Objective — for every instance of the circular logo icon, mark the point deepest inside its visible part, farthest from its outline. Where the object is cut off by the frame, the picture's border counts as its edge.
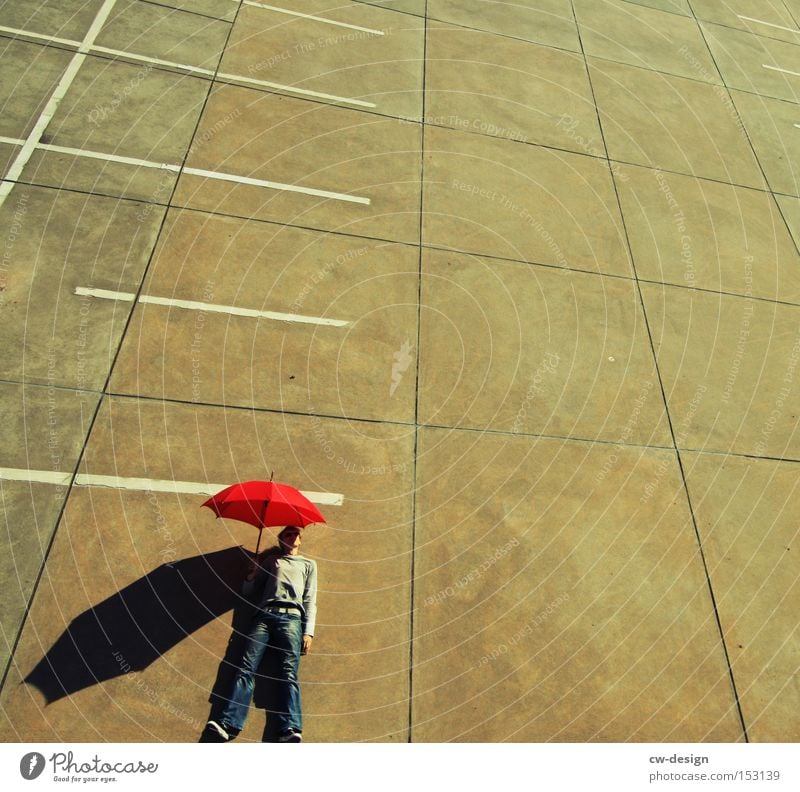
(31, 765)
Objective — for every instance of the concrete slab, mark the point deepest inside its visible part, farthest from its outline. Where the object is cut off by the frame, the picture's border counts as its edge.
(523, 202)
(768, 18)
(64, 240)
(790, 207)
(63, 18)
(493, 85)
(7, 156)
(728, 367)
(644, 37)
(120, 109)
(672, 123)
(377, 57)
(28, 76)
(523, 349)
(44, 431)
(770, 124)
(198, 356)
(749, 534)
(553, 605)
(297, 142)
(742, 58)
(548, 22)
(691, 232)
(355, 682)
(164, 33)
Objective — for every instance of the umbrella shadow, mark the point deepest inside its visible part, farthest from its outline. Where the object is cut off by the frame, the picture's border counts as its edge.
(134, 627)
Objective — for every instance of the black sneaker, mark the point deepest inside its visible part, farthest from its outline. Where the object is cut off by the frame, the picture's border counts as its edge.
(218, 733)
(291, 736)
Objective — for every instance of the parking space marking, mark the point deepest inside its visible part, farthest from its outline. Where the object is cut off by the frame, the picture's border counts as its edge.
(25, 153)
(770, 24)
(191, 305)
(779, 69)
(315, 18)
(145, 484)
(230, 177)
(221, 76)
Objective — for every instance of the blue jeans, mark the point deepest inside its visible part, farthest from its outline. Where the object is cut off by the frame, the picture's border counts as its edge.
(282, 633)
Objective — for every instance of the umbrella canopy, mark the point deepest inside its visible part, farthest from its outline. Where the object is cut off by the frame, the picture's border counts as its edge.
(264, 503)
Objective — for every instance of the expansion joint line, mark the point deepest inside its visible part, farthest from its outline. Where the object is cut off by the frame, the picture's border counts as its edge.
(664, 392)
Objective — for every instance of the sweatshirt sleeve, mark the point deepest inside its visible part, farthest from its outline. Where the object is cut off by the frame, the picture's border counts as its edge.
(310, 599)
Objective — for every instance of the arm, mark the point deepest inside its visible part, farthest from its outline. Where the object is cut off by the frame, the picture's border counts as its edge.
(310, 607)
(254, 578)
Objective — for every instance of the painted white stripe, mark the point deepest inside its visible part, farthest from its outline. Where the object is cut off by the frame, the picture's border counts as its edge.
(315, 18)
(58, 94)
(778, 69)
(191, 305)
(197, 69)
(184, 487)
(293, 89)
(156, 61)
(276, 185)
(39, 36)
(770, 24)
(798, 126)
(230, 177)
(109, 157)
(146, 484)
(36, 476)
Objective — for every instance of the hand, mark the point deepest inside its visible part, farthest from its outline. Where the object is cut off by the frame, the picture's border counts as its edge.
(307, 640)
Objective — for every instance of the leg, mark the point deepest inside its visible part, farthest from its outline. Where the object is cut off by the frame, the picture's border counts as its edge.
(234, 713)
(287, 637)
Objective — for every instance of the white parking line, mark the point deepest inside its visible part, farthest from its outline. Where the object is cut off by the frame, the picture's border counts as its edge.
(229, 177)
(195, 69)
(145, 484)
(315, 18)
(25, 153)
(778, 69)
(191, 305)
(293, 89)
(770, 24)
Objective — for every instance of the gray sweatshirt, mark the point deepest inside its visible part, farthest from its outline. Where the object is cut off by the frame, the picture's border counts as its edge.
(286, 580)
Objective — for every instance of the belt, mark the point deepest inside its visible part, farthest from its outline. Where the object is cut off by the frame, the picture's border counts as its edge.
(277, 609)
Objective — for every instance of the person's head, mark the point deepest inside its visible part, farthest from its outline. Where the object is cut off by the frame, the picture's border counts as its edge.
(289, 539)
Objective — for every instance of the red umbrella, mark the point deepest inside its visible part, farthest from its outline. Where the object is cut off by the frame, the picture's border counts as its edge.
(264, 503)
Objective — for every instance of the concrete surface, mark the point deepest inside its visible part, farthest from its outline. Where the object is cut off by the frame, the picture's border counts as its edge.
(535, 270)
